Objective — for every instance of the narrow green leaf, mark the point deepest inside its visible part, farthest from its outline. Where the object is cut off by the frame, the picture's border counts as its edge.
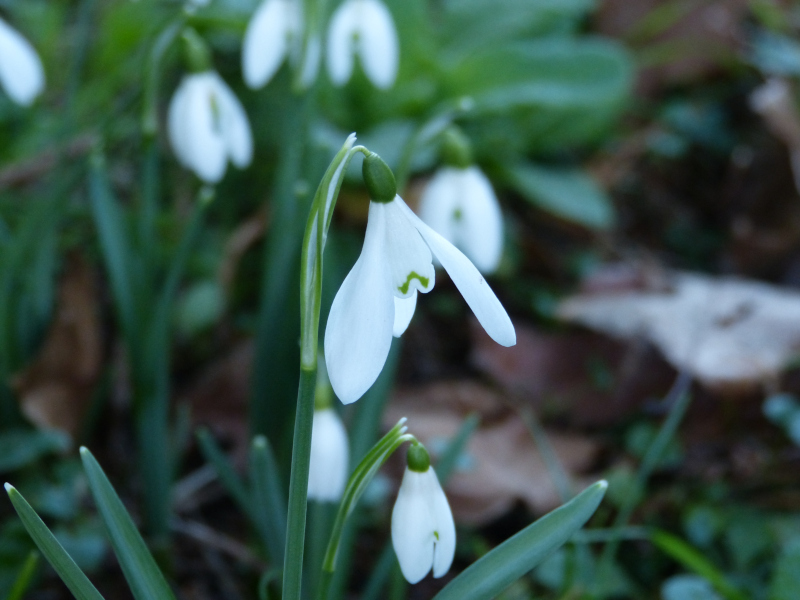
(141, 572)
(694, 560)
(113, 242)
(19, 447)
(498, 569)
(228, 477)
(567, 193)
(268, 500)
(23, 580)
(448, 461)
(54, 552)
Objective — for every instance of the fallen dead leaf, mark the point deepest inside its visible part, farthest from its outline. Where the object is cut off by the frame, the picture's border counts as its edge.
(733, 335)
(56, 388)
(501, 465)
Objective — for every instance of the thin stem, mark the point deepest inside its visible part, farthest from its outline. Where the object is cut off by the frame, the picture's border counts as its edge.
(298, 486)
(678, 400)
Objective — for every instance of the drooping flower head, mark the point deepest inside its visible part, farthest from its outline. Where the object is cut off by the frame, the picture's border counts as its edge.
(364, 28)
(423, 531)
(378, 296)
(274, 33)
(21, 71)
(460, 204)
(206, 122)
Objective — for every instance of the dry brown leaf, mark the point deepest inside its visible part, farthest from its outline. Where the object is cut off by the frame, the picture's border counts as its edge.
(56, 388)
(731, 334)
(502, 464)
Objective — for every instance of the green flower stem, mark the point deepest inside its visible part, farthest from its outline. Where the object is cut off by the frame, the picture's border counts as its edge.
(298, 486)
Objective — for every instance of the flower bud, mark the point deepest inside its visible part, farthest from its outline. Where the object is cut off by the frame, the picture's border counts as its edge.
(378, 178)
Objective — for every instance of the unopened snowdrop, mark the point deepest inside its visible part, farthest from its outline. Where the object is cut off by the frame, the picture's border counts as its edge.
(21, 72)
(423, 531)
(364, 28)
(378, 296)
(207, 123)
(460, 204)
(273, 34)
(330, 452)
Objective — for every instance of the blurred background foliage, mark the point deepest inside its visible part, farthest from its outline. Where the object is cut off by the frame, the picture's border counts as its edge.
(612, 130)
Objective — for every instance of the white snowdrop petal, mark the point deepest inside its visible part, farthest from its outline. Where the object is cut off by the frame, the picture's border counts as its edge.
(480, 228)
(235, 128)
(410, 261)
(205, 145)
(445, 527)
(439, 204)
(329, 457)
(311, 60)
(473, 287)
(265, 43)
(176, 123)
(21, 71)
(343, 26)
(359, 330)
(378, 46)
(412, 528)
(403, 312)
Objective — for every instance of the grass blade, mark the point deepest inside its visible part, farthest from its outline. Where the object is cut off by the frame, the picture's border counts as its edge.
(268, 499)
(498, 569)
(141, 572)
(54, 552)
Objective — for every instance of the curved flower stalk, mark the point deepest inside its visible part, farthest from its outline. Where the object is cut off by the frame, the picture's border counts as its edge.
(460, 204)
(423, 530)
(21, 71)
(208, 126)
(378, 296)
(364, 28)
(274, 33)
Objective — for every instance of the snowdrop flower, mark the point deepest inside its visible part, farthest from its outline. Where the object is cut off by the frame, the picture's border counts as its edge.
(366, 28)
(21, 72)
(423, 531)
(460, 204)
(207, 126)
(330, 456)
(378, 296)
(274, 29)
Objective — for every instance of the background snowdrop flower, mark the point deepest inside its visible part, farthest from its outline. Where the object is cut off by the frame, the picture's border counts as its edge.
(274, 27)
(21, 72)
(460, 204)
(330, 456)
(377, 297)
(207, 126)
(366, 28)
(423, 531)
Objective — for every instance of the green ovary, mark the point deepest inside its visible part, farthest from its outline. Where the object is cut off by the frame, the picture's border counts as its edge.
(413, 275)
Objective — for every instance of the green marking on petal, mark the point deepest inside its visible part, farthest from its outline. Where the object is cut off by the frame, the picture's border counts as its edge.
(436, 535)
(413, 275)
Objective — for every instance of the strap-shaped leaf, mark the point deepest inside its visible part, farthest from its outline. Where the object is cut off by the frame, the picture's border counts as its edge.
(141, 572)
(268, 500)
(70, 573)
(498, 569)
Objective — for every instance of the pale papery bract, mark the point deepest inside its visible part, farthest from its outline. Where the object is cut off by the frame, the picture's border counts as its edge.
(364, 28)
(377, 298)
(423, 530)
(460, 204)
(21, 71)
(208, 126)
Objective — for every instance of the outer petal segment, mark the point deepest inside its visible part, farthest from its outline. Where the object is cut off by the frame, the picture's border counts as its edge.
(359, 331)
(329, 457)
(473, 287)
(21, 71)
(266, 41)
(341, 31)
(413, 526)
(480, 234)
(378, 46)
